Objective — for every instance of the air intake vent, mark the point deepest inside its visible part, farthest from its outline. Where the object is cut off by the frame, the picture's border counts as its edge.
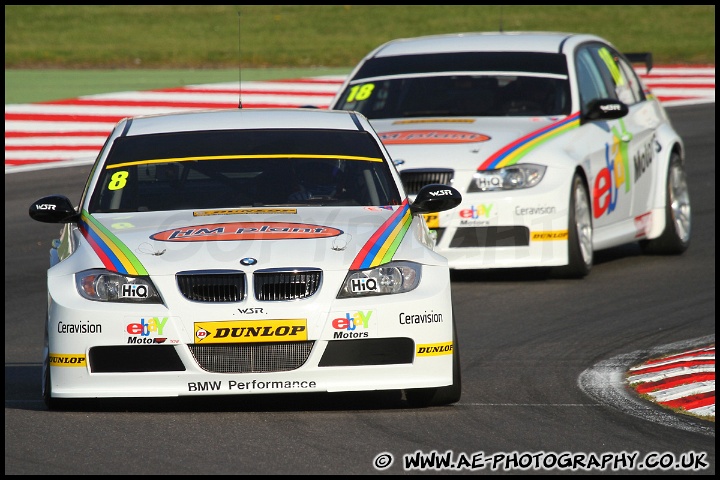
(212, 286)
(277, 285)
(251, 358)
(414, 179)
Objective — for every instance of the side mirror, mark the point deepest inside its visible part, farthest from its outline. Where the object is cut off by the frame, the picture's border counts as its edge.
(605, 109)
(54, 209)
(434, 198)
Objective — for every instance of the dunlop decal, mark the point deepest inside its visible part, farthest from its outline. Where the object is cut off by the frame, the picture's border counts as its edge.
(432, 220)
(549, 236)
(245, 331)
(68, 360)
(434, 349)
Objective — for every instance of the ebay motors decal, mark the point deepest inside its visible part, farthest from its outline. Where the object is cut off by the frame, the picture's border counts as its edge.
(215, 232)
(431, 136)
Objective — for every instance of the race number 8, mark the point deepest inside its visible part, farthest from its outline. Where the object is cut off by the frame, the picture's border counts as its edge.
(118, 180)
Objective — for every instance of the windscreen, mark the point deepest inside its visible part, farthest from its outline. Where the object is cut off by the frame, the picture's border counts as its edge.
(462, 84)
(225, 169)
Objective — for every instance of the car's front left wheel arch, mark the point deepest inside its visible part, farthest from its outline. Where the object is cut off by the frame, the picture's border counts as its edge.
(580, 230)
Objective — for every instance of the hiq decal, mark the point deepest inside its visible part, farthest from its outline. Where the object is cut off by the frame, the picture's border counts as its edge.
(133, 290)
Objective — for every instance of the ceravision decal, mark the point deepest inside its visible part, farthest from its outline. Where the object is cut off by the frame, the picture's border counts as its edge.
(82, 327)
(67, 360)
(250, 331)
(434, 349)
(539, 210)
(408, 137)
(214, 232)
(414, 318)
(246, 211)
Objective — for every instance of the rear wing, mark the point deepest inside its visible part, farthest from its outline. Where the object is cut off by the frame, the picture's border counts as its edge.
(645, 57)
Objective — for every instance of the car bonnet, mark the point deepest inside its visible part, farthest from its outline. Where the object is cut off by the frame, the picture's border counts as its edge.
(162, 243)
(467, 143)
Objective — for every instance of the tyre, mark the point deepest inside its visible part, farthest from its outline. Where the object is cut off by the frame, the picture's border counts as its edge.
(430, 397)
(46, 382)
(50, 402)
(675, 238)
(580, 233)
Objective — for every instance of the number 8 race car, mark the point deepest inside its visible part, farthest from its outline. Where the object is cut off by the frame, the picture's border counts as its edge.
(247, 252)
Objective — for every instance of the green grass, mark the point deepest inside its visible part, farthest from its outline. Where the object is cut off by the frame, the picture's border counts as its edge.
(29, 86)
(196, 36)
(63, 51)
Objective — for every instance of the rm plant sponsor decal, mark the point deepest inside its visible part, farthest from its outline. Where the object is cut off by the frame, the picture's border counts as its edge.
(408, 137)
(215, 232)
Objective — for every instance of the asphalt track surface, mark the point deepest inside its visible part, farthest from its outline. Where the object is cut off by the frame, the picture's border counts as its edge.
(527, 345)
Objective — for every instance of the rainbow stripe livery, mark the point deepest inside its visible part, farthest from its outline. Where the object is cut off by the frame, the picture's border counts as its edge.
(381, 247)
(112, 252)
(512, 153)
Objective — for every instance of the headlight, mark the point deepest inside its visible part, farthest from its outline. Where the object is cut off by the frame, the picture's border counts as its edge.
(106, 286)
(524, 175)
(393, 277)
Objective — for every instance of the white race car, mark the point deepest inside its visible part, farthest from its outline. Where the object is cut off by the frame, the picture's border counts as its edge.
(247, 252)
(557, 147)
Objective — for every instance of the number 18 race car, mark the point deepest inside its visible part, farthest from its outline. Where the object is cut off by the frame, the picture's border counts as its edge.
(247, 252)
(557, 147)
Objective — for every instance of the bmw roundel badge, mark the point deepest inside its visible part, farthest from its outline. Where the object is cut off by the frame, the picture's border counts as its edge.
(248, 261)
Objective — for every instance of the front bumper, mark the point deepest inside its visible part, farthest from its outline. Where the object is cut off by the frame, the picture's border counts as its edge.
(101, 350)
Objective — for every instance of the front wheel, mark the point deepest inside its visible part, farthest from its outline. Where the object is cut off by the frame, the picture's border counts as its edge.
(675, 238)
(429, 397)
(51, 402)
(580, 233)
